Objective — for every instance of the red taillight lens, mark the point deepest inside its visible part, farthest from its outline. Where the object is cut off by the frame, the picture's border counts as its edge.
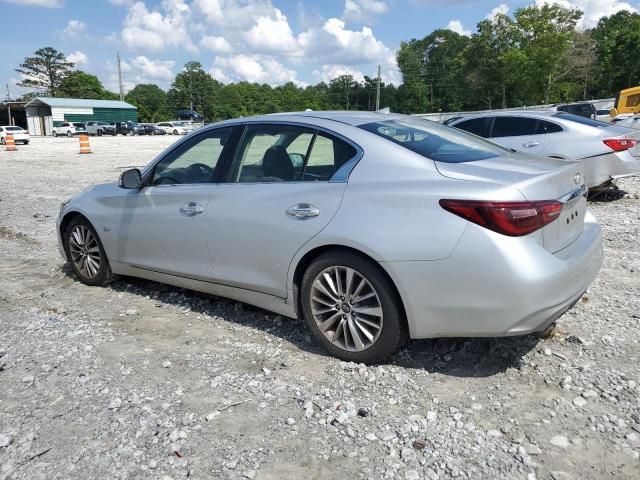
(620, 144)
(514, 219)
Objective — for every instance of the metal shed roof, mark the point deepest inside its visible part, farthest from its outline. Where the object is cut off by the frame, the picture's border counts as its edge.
(78, 102)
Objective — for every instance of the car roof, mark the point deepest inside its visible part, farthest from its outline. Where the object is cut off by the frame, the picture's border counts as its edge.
(348, 117)
(517, 113)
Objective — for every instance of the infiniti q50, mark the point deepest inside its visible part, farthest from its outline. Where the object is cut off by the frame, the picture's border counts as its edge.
(371, 227)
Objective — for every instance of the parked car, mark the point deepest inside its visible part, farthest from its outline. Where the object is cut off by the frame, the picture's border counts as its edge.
(65, 128)
(630, 121)
(20, 135)
(582, 109)
(372, 227)
(606, 151)
(81, 128)
(125, 128)
(100, 128)
(175, 128)
(149, 129)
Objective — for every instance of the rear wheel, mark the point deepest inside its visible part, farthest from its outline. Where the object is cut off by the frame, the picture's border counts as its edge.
(351, 308)
(99, 133)
(86, 253)
(55, 134)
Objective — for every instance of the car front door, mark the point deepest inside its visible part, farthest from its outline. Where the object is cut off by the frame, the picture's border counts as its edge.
(278, 193)
(162, 226)
(519, 133)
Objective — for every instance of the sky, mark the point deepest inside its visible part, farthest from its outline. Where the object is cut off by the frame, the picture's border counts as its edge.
(265, 41)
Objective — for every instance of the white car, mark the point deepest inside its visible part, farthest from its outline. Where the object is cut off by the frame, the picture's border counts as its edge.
(175, 128)
(20, 135)
(65, 128)
(607, 152)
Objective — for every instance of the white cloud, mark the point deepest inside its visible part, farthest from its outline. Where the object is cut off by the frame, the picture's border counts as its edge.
(593, 9)
(74, 28)
(329, 72)
(78, 58)
(363, 10)
(272, 34)
(502, 9)
(216, 44)
(456, 26)
(121, 3)
(139, 70)
(252, 68)
(37, 3)
(155, 30)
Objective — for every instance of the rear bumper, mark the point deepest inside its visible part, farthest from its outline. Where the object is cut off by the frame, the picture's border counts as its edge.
(601, 169)
(494, 285)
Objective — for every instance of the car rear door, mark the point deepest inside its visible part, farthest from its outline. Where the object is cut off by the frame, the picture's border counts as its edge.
(162, 226)
(519, 133)
(278, 193)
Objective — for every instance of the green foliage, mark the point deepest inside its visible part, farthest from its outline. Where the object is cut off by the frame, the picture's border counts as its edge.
(151, 101)
(44, 70)
(78, 84)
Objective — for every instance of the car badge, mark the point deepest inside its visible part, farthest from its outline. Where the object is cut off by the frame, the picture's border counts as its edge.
(576, 179)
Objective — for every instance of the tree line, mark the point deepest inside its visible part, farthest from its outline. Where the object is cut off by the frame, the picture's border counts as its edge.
(536, 56)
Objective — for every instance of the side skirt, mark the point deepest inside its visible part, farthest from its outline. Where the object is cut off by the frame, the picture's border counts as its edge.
(261, 300)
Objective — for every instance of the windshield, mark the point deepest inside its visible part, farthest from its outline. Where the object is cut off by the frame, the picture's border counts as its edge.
(435, 141)
(582, 120)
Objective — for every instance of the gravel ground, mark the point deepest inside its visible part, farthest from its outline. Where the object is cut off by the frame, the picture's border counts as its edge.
(143, 380)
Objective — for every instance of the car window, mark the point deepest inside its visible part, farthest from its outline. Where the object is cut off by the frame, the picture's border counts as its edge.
(584, 121)
(475, 126)
(271, 153)
(327, 155)
(548, 127)
(194, 161)
(513, 126)
(435, 141)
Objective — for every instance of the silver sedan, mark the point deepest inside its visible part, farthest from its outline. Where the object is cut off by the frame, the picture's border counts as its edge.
(372, 227)
(607, 152)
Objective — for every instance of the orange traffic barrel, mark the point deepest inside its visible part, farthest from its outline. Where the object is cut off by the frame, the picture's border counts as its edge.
(10, 143)
(84, 144)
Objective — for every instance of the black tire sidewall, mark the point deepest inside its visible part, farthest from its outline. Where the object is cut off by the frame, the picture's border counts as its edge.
(105, 271)
(393, 330)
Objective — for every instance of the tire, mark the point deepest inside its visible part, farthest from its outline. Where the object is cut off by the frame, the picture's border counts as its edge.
(69, 134)
(55, 134)
(377, 295)
(99, 133)
(79, 236)
(26, 142)
(175, 132)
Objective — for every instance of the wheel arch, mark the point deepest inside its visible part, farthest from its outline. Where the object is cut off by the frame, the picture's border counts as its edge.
(309, 256)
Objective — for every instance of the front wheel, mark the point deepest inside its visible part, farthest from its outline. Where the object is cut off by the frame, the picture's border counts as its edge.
(352, 308)
(175, 132)
(99, 132)
(69, 134)
(86, 253)
(55, 134)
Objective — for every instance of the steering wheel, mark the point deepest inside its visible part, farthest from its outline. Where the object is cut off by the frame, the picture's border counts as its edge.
(204, 167)
(166, 181)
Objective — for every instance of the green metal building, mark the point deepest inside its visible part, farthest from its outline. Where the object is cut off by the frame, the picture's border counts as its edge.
(44, 113)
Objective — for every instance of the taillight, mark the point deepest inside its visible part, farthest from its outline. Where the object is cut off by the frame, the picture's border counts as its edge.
(619, 144)
(514, 219)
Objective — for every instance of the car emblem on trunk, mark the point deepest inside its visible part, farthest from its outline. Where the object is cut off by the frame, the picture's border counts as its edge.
(576, 178)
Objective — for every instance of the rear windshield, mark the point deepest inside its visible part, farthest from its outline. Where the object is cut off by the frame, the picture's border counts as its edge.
(435, 141)
(582, 120)
(13, 129)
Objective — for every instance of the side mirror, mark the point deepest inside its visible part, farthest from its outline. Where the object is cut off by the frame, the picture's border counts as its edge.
(130, 179)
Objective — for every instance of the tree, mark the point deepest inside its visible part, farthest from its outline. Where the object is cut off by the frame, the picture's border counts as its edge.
(151, 101)
(78, 84)
(195, 89)
(45, 70)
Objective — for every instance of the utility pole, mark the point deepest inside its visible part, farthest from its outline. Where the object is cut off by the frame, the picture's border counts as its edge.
(120, 77)
(9, 105)
(378, 90)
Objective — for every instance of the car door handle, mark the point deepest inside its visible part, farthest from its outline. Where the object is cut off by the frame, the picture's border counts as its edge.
(302, 211)
(530, 144)
(191, 209)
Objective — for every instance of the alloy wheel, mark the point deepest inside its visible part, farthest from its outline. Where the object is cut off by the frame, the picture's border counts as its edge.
(346, 308)
(85, 252)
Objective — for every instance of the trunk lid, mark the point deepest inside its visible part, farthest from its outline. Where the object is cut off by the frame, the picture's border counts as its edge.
(536, 178)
